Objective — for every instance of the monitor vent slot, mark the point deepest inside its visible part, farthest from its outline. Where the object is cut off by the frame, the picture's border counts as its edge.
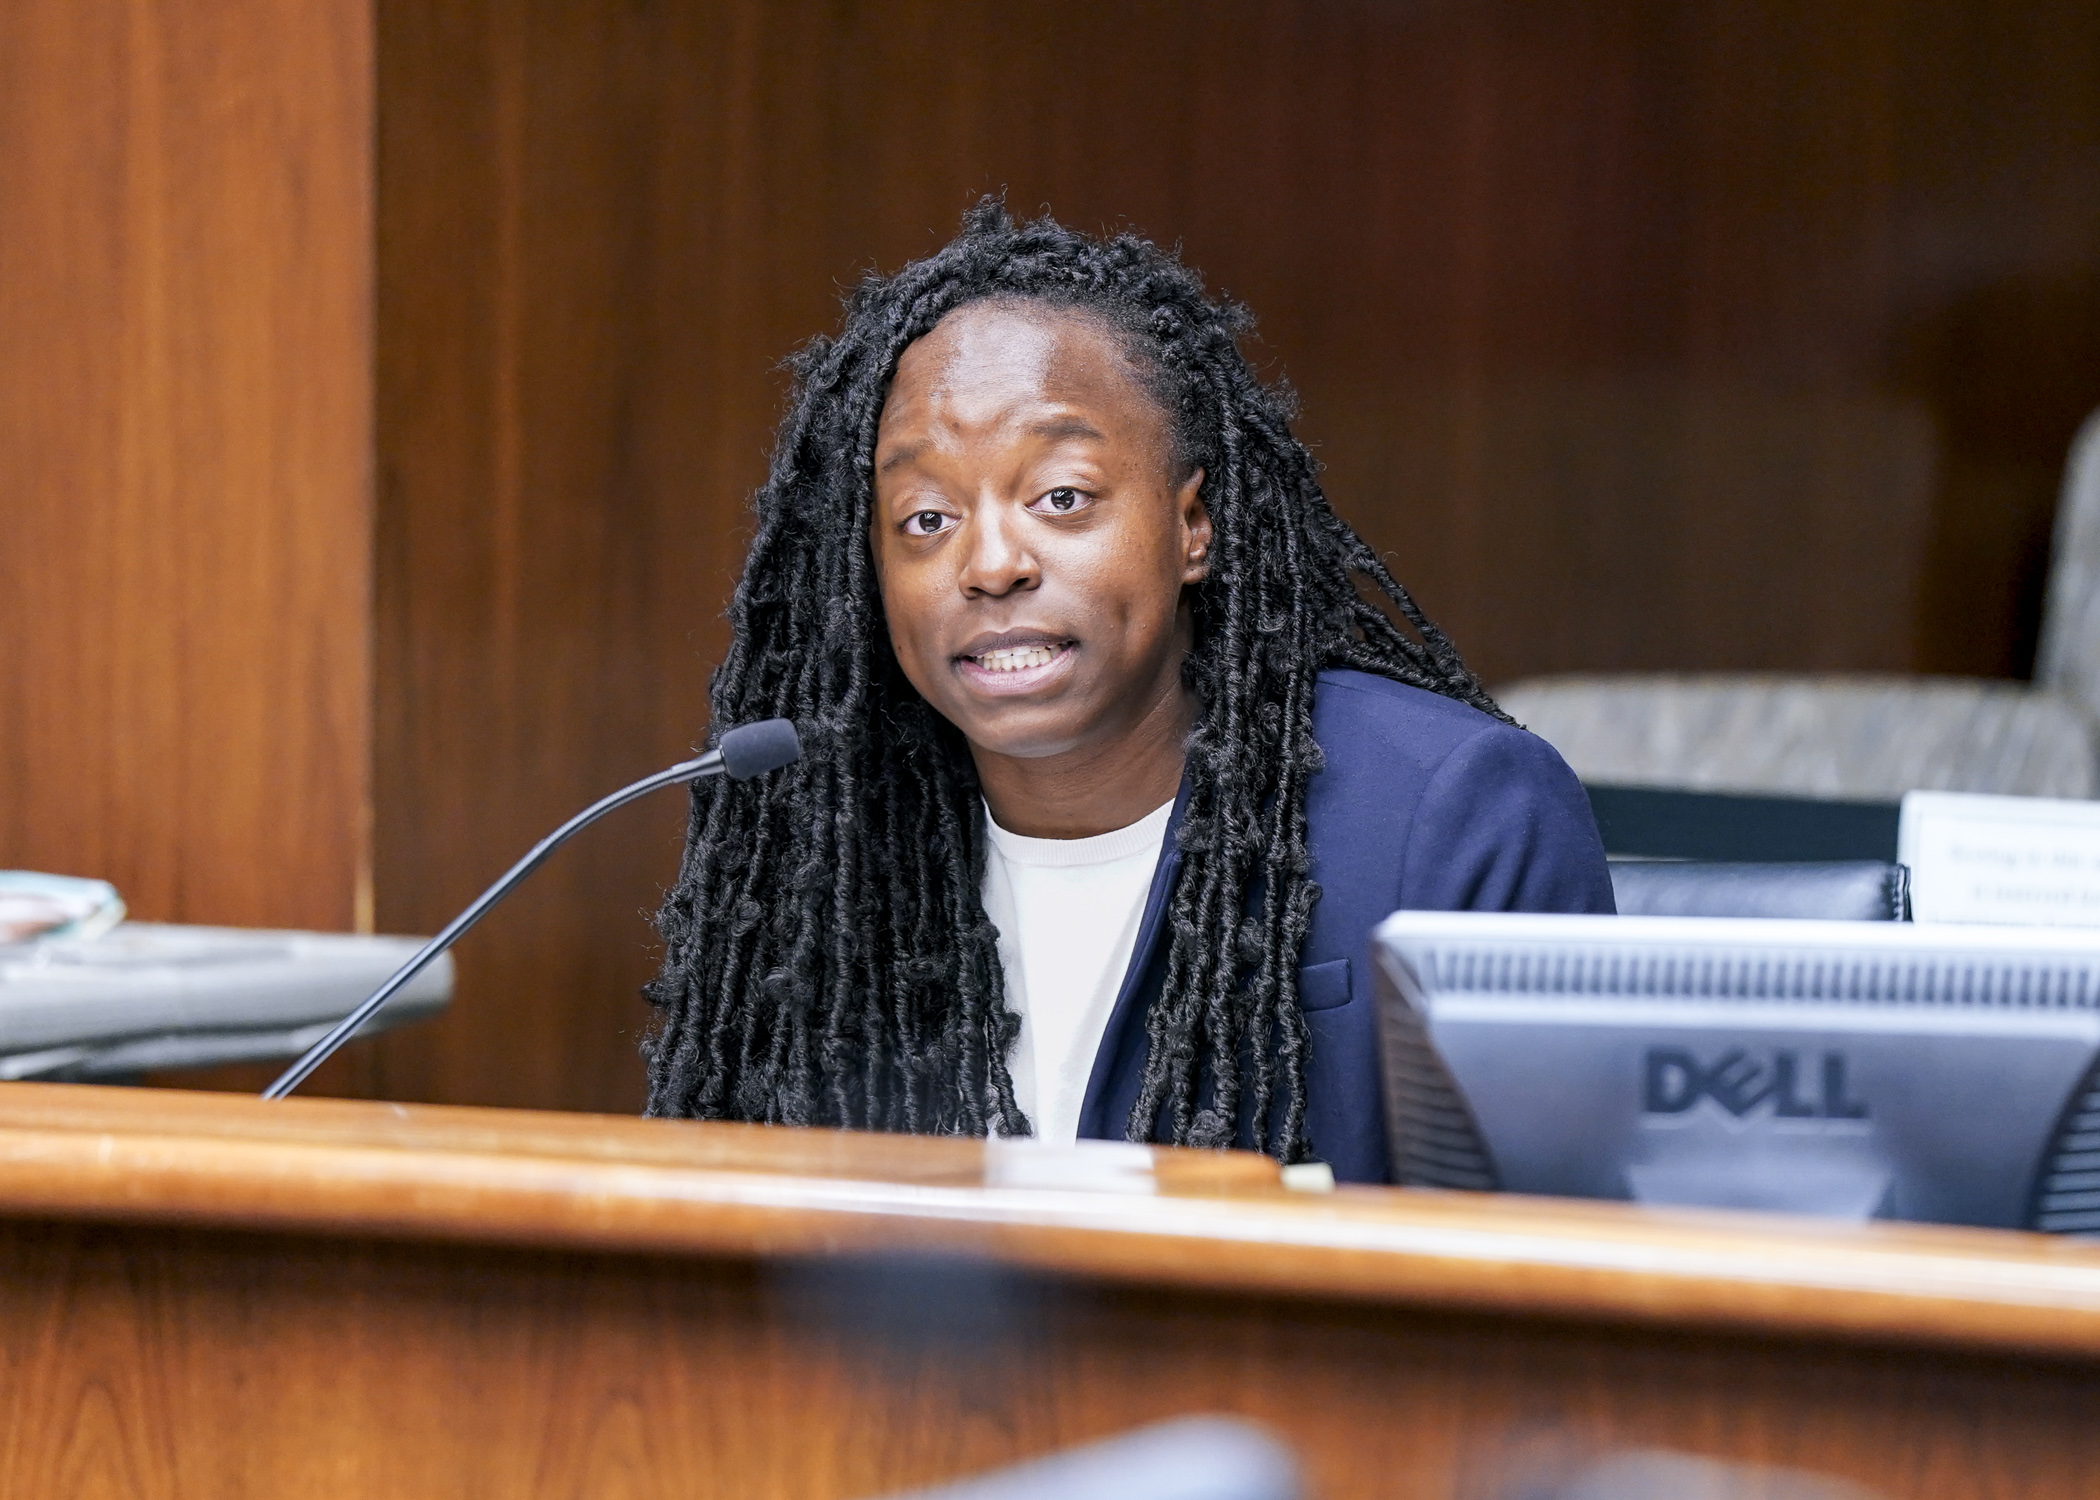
(1435, 1142)
(2001, 983)
(2067, 1192)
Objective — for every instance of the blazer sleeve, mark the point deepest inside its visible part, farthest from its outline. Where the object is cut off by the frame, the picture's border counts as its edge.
(1503, 825)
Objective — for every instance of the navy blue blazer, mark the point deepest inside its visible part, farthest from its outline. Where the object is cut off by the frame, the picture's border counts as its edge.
(1423, 804)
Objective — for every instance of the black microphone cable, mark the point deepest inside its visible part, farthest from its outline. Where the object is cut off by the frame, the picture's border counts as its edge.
(747, 751)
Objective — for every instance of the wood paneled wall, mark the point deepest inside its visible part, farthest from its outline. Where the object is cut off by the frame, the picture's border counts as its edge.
(185, 450)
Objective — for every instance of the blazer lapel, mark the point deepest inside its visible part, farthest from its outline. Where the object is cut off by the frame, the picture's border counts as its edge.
(1125, 1027)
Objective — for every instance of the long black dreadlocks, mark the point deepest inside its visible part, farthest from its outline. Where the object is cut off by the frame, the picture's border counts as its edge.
(827, 959)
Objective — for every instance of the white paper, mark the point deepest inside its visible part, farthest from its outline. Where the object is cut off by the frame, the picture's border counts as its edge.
(2013, 861)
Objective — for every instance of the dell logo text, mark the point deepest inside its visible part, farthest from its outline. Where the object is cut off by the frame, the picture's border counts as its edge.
(1739, 1081)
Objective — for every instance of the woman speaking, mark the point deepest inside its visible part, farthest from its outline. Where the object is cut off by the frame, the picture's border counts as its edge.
(1113, 756)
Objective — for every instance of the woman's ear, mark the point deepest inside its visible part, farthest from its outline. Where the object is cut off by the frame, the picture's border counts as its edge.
(1195, 528)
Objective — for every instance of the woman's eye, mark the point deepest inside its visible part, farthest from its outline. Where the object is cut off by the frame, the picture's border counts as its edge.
(1062, 501)
(926, 523)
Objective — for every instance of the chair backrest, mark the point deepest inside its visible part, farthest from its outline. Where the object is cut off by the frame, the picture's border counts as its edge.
(1862, 890)
(1658, 822)
(2069, 658)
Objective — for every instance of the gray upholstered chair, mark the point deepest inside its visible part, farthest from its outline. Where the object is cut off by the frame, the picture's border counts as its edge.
(1857, 890)
(1870, 738)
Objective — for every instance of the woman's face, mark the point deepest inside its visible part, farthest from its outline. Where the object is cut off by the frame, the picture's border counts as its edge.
(1030, 533)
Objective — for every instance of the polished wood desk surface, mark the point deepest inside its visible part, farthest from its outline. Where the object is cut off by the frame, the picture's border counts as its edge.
(1175, 1219)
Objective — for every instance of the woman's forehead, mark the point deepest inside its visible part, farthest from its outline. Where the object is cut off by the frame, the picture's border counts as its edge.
(984, 360)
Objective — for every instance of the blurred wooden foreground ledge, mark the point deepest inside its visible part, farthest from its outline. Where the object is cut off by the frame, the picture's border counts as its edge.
(263, 1295)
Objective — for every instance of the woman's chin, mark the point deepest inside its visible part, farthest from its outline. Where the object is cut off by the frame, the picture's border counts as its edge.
(1025, 731)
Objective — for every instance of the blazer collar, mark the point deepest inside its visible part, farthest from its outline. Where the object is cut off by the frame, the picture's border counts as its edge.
(1128, 1014)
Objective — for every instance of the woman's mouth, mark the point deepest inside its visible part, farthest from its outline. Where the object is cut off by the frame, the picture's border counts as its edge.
(1017, 658)
(1016, 669)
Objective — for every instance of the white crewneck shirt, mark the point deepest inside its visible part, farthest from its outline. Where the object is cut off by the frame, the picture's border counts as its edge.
(1067, 911)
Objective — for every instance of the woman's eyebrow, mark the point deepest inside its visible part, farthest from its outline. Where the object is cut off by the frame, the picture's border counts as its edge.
(1068, 426)
(901, 455)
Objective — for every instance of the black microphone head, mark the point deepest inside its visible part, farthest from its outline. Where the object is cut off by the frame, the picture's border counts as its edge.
(753, 749)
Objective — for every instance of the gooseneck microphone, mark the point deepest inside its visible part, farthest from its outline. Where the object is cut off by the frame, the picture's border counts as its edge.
(748, 751)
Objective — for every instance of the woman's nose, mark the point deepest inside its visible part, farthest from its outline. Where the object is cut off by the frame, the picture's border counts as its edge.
(996, 558)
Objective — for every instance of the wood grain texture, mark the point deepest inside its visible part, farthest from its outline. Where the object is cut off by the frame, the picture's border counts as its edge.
(196, 1364)
(1156, 1217)
(185, 452)
(1667, 335)
(92, 1111)
(804, 1334)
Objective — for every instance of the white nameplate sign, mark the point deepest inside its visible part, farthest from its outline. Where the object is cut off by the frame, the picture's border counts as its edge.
(2014, 861)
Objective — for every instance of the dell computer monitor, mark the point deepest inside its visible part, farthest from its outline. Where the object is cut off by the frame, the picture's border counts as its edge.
(1855, 1069)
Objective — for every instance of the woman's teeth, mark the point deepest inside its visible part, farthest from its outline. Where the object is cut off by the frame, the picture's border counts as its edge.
(1018, 658)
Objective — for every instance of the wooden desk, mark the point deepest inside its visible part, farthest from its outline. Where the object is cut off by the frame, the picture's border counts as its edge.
(209, 1296)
